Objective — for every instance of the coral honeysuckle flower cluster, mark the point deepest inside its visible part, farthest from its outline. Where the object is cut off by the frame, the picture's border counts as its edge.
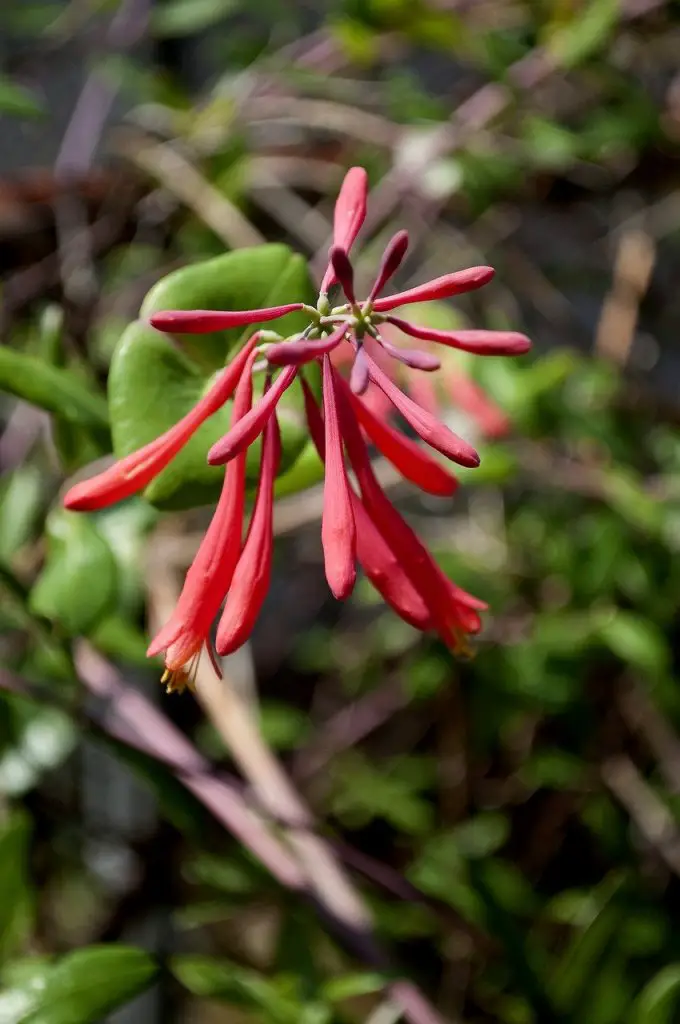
(360, 526)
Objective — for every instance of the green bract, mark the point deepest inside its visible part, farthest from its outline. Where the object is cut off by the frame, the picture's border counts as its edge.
(155, 380)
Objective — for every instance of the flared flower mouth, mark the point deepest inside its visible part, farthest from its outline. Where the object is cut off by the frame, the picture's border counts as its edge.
(182, 662)
(360, 526)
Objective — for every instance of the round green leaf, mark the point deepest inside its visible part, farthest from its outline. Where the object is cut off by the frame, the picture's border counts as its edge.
(78, 583)
(306, 471)
(154, 381)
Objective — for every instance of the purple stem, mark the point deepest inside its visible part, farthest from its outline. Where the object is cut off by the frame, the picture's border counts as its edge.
(129, 716)
(93, 106)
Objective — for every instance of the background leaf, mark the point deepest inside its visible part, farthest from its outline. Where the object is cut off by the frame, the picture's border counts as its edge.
(80, 988)
(51, 388)
(78, 583)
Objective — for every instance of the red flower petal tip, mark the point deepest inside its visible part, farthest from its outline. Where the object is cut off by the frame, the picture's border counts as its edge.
(350, 213)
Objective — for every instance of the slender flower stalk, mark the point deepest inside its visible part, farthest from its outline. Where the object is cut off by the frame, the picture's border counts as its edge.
(358, 526)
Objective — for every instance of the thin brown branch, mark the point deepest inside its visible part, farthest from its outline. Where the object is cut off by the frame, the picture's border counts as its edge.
(653, 820)
(178, 176)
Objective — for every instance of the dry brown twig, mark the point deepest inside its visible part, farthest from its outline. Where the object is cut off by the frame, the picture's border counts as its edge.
(181, 178)
(649, 814)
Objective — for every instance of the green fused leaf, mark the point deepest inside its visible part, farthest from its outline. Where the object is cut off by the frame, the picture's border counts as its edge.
(306, 471)
(51, 388)
(77, 586)
(16, 899)
(659, 1001)
(119, 638)
(78, 989)
(153, 381)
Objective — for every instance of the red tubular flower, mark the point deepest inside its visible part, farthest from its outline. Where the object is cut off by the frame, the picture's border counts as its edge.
(206, 321)
(344, 272)
(243, 433)
(383, 569)
(359, 378)
(338, 534)
(453, 613)
(131, 474)
(390, 263)
(350, 214)
(437, 434)
(416, 359)
(210, 573)
(251, 577)
(412, 461)
(376, 558)
(296, 353)
(440, 288)
(364, 526)
(480, 343)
